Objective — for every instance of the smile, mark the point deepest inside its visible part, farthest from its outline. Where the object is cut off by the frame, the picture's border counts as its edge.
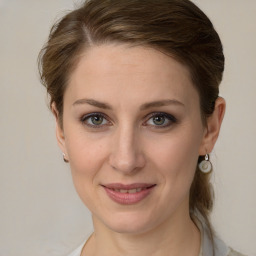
(128, 194)
(129, 191)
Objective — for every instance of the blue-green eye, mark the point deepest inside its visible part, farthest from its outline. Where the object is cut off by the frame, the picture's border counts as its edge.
(95, 119)
(161, 120)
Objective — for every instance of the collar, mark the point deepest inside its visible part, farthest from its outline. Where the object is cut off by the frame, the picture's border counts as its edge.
(209, 248)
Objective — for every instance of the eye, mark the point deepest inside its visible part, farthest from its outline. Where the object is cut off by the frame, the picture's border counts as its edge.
(160, 120)
(95, 120)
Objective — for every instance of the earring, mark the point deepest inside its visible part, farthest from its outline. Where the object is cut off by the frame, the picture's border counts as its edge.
(205, 166)
(64, 158)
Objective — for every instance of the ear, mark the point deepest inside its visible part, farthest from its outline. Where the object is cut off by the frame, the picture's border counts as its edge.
(59, 130)
(212, 128)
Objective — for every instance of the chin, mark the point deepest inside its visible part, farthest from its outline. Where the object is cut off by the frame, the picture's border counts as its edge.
(129, 228)
(129, 223)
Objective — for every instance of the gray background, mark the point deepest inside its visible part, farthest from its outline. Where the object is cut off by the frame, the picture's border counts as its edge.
(40, 213)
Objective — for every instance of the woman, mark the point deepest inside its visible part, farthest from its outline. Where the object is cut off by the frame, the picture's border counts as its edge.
(134, 88)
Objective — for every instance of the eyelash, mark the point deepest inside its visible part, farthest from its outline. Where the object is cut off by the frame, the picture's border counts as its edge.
(85, 118)
(169, 118)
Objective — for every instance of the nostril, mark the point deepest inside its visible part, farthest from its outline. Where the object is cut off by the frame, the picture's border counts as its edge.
(126, 158)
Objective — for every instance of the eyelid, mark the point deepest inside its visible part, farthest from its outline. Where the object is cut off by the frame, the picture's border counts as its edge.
(87, 116)
(170, 117)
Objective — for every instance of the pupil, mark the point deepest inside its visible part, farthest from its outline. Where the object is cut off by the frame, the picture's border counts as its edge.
(159, 120)
(97, 120)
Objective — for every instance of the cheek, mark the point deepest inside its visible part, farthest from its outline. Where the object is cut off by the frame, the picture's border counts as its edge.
(86, 156)
(176, 155)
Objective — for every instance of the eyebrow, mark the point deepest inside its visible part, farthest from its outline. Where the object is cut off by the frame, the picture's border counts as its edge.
(161, 103)
(92, 102)
(145, 106)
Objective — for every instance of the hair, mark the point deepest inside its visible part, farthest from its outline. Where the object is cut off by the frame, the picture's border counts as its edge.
(177, 28)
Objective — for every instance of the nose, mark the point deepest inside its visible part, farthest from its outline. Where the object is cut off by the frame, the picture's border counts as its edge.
(126, 153)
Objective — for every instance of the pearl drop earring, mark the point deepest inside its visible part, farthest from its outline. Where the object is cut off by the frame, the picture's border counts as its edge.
(205, 166)
(64, 158)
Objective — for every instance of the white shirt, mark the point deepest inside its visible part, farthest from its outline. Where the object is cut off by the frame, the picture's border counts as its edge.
(77, 251)
(220, 248)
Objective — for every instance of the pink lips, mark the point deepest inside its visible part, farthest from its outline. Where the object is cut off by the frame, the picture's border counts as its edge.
(128, 194)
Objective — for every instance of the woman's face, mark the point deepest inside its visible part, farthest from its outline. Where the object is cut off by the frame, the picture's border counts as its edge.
(132, 131)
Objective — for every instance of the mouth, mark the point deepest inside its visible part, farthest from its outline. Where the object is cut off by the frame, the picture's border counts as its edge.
(128, 194)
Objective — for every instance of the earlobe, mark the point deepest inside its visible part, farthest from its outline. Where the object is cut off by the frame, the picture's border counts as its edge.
(213, 127)
(59, 130)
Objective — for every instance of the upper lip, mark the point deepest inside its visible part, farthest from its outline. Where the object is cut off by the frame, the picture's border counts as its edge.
(128, 186)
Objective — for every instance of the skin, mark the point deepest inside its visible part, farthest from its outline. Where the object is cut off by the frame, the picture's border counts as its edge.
(128, 147)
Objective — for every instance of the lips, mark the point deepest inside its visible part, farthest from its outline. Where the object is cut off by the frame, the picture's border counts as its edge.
(128, 194)
(129, 191)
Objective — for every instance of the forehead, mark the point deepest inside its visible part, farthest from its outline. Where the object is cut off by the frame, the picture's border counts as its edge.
(125, 69)
(109, 58)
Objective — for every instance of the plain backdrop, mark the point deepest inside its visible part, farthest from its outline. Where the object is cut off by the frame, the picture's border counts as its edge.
(40, 213)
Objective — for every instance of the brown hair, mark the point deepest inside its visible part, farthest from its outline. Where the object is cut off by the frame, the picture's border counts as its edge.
(176, 27)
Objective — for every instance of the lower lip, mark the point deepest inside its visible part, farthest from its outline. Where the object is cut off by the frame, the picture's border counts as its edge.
(126, 198)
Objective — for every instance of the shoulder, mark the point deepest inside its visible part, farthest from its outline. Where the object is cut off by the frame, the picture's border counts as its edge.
(211, 244)
(234, 253)
(221, 249)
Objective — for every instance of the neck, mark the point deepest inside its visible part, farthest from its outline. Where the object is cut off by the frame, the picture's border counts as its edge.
(177, 236)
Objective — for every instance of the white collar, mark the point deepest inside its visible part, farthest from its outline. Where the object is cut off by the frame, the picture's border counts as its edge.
(217, 248)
